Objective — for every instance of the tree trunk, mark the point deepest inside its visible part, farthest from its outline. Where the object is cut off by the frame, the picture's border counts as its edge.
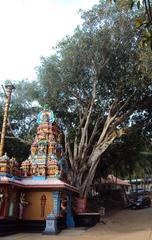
(81, 205)
(89, 179)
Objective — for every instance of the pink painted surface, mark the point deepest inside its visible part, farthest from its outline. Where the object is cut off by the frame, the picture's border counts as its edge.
(49, 183)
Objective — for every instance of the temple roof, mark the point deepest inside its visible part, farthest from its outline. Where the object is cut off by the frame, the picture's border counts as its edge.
(52, 183)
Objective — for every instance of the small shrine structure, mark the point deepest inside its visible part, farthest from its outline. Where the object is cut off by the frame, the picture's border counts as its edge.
(37, 193)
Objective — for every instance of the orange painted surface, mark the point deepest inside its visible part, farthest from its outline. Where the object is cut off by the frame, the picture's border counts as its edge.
(34, 210)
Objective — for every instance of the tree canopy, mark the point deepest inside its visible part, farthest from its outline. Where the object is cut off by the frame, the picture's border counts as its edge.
(100, 82)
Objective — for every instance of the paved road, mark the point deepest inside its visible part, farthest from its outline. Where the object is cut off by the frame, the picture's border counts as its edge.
(123, 225)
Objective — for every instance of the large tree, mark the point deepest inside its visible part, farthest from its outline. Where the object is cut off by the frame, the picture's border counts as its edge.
(97, 83)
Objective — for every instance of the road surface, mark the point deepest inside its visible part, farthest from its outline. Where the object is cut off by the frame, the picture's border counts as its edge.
(122, 225)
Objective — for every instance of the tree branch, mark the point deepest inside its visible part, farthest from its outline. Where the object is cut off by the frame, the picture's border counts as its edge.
(19, 139)
(69, 151)
(107, 124)
(85, 129)
(94, 132)
(16, 137)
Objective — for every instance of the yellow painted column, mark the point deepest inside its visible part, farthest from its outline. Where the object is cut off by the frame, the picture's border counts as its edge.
(9, 89)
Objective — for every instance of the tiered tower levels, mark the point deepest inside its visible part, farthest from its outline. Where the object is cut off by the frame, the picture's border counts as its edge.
(46, 157)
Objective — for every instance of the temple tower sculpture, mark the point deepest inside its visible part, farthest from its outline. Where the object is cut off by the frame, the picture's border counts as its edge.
(46, 159)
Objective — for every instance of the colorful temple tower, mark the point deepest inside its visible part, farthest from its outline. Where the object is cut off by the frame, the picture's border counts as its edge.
(47, 157)
(37, 192)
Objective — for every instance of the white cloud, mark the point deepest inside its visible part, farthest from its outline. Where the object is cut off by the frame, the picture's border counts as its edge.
(29, 29)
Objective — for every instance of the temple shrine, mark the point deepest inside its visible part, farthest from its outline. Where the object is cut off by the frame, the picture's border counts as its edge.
(36, 194)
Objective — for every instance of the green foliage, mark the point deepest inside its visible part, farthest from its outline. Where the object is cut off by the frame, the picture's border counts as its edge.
(128, 158)
(143, 20)
(21, 121)
(106, 48)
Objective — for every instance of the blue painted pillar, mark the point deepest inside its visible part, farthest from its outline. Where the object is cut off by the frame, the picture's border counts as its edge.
(51, 221)
(56, 203)
(69, 217)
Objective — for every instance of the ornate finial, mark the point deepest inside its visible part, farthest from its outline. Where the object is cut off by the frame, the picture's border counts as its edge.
(5, 157)
(45, 116)
(46, 107)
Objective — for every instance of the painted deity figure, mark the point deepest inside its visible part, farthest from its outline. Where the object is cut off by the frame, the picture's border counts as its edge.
(12, 199)
(23, 202)
(63, 205)
(41, 149)
(12, 163)
(45, 116)
(36, 170)
(1, 199)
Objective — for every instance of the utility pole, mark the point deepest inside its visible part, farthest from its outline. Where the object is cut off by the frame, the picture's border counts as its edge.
(8, 91)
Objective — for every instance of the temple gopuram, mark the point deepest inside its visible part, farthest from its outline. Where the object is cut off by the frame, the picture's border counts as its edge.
(36, 195)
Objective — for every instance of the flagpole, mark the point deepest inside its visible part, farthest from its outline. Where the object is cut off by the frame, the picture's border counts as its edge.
(8, 92)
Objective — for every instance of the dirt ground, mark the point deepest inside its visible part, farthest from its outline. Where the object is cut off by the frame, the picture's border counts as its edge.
(120, 225)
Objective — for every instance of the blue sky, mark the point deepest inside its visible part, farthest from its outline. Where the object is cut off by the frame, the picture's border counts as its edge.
(30, 28)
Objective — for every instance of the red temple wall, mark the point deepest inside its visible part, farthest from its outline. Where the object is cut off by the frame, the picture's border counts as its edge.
(9, 207)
